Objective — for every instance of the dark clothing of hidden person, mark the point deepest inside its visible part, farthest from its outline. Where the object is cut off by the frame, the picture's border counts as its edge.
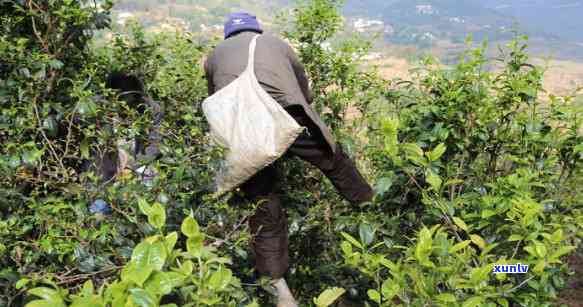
(281, 75)
(144, 147)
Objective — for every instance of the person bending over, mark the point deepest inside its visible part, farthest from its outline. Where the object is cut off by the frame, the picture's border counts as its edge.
(281, 74)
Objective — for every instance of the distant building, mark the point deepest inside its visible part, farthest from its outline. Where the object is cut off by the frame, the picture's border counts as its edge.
(389, 30)
(362, 25)
(425, 9)
(428, 36)
(372, 56)
(122, 17)
(457, 20)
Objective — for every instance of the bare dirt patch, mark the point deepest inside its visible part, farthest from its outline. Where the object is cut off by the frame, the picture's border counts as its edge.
(393, 67)
(561, 77)
(572, 295)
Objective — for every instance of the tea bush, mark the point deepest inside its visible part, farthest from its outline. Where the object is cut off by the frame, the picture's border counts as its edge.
(57, 116)
(474, 165)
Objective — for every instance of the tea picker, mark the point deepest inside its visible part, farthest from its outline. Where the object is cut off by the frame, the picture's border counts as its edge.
(258, 110)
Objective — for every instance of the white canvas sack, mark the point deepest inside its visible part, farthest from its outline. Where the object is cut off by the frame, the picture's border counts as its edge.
(254, 129)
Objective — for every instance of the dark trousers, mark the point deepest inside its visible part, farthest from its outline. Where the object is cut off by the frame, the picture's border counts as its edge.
(269, 225)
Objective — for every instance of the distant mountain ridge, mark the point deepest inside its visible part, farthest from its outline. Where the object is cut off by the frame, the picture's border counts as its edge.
(542, 18)
(563, 18)
(560, 19)
(553, 25)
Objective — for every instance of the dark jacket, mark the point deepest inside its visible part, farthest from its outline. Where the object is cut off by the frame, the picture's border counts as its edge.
(146, 146)
(278, 70)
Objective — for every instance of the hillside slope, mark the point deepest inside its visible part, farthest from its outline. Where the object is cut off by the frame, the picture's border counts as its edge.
(423, 23)
(559, 17)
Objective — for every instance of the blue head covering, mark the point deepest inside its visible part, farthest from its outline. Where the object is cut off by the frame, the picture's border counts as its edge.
(238, 22)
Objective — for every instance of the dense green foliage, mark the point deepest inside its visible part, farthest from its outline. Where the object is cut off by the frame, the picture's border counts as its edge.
(471, 168)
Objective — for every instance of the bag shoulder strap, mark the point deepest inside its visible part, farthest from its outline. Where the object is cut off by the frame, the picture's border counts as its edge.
(251, 60)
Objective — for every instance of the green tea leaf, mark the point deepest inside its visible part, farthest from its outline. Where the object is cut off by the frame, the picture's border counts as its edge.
(437, 152)
(42, 303)
(478, 241)
(540, 249)
(390, 289)
(89, 301)
(190, 227)
(454, 249)
(515, 237)
(557, 236)
(84, 148)
(186, 268)
(88, 288)
(47, 294)
(142, 298)
(374, 295)
(478, 275)
(163, 283)
(540, 267)
(352, 240)
(460, 223)
(433, 179)
(473, 302)
(21, 283)
(502, 302)
(157, 216)
(383, 185)
(346, 248)
(446, 297)
(414, 153)
(87, 107)
(328, 297)
(146, 258)
(32, 156)
(194, 244)
(141, 255)
(563, 250)
(220, 279)
(170, 241)
(366, 233)
(145, 208)
(137, 274)
(424, 247)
